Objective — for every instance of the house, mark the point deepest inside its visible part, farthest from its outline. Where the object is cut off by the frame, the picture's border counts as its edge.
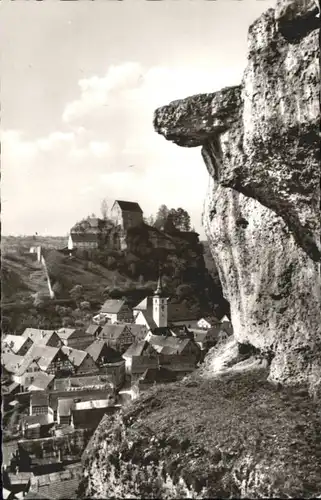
(137, 349)
(88, 414)
(175, 345)
(207, 338)
(81, 361)
(83, 241)
(116, 372)
(156, 376)
(207, 322)
(16, 344)
(37, 426)
(116, 311)
(43, 337)
(93, 330)
(119, 337)
(42, 358)
(102, 353)
(139, 331)
(42, 382)
(64, 411)
(10, 363)
(57, 485)
(140, 364)
(73, 337)
(39, 405)
(126, 214)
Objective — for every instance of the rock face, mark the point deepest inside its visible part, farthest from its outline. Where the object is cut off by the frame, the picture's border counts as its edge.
(260, 144)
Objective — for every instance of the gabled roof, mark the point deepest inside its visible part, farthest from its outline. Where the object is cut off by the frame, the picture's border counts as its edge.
(42, 354)
(145, 304)
(112, 331)
(14, 342)
(75, 356)
(149, 319)
(174, 345)
(65, 333)
(39, 336)
(93, 329)
(225, 318)
(112, 306)
(95, 349)
(128, 206)
(139, 348)
(41, 381)
(139, 331)
(11, 362)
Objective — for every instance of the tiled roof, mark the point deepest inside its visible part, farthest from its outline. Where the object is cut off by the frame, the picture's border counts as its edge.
(11, 362)
(112, 331)
(149, 319)
(95, 349)
(82, 382)
(93, 403)
(15, 342)
(93, 329)
(38, 336)
(112, 306)
(129, 206)
(139, 331)
(65, 333)
(43, 354)
(41, 381)
(75, 356)
(8, 389)
(173, 344)
(139, 348)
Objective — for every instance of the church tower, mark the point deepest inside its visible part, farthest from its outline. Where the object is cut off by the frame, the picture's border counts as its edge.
(160, 305)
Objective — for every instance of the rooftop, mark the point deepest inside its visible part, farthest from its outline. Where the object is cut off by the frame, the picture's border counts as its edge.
(98, 403)
(100, 348)
(75, 356)
(14, 342)
(112, 306)
(38, 336)
(41, 381)
(93, 329)
(129, 206)
(85, 237)
(112, 331)
(138, 348)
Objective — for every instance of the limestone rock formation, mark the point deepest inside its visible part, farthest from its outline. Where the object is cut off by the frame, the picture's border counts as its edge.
(260, 143)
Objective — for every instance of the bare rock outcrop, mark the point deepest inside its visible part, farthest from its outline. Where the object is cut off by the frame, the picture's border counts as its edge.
(260, 144)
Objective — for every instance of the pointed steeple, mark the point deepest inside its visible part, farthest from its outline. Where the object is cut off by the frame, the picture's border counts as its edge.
(159, 289)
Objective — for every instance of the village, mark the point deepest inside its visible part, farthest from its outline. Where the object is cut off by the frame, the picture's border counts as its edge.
(58, 384)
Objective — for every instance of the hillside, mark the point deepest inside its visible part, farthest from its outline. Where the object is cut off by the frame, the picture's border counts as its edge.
(235, 436)
(101, 274)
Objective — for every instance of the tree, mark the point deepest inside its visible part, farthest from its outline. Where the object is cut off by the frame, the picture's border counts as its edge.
(161, 216)
(180, 218)
(77, 292)
(104, 209)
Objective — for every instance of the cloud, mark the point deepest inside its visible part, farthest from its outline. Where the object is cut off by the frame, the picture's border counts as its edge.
(106, 128)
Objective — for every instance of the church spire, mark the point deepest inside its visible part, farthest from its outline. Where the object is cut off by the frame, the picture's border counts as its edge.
(159, 289)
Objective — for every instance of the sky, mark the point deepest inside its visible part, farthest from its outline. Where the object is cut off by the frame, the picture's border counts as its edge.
(80, 83)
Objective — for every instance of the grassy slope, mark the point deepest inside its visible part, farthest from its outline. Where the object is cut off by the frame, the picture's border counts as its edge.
(237, 436)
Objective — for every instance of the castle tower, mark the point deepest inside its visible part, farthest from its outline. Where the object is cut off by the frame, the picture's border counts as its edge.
(160, 305)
